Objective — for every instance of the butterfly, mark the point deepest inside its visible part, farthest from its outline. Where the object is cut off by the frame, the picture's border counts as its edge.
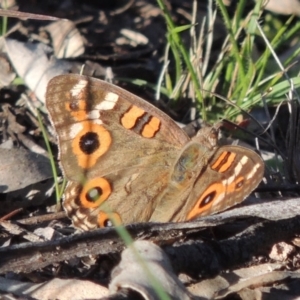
(127, 161)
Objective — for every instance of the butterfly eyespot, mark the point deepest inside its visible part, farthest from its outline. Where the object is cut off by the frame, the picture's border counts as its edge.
(74, 106)
(89, 142)
(107, 223)
(239, 183)
(95, 192)
(207, 199)
(77, 109)
(109, 220)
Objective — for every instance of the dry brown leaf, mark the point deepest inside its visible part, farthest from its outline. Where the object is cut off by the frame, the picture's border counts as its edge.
(137, 261)
(24, 15)
(285, 7)
(69, 289)
(258, 281)
(32, 63)
(210, 287)
(21, 168)
(67, 40)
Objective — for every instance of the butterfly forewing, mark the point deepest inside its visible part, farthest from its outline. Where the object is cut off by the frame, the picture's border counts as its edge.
(99, 124)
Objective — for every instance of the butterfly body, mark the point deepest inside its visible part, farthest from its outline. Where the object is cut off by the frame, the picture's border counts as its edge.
(128, 161)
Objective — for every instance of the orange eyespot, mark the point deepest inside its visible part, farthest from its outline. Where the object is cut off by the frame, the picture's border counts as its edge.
(90, 144)
(95, 192)
(109, 219)
(77, 109)
(239, 183)
(213, 193)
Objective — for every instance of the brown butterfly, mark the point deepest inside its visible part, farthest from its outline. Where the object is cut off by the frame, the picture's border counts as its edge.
(128, 162)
